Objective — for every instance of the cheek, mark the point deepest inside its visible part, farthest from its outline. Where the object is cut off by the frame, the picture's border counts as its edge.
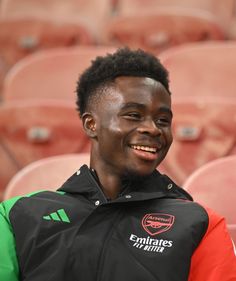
(110, 129)
(169, 136)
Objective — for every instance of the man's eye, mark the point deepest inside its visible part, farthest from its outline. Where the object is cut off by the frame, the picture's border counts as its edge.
(134, 115)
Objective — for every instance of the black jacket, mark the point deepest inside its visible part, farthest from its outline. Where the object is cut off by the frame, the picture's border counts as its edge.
(149, 233)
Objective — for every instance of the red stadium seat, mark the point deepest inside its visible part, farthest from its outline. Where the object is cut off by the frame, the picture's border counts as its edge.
(93, 14)
(223, 10)
(163, 29)
(202, 69)
(34, 130)
(50, 74)
(202, 131)
(214, 185)
(21, 36)
(9, 167)
(48, 173)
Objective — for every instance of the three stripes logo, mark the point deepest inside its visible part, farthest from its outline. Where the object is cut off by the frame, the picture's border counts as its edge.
(59, 215)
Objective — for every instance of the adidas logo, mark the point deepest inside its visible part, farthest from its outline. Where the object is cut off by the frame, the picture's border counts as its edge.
(59, 215)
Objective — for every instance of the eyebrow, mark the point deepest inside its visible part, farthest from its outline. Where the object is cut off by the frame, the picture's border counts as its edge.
(132, 105)
(166, 109)
(142, 106)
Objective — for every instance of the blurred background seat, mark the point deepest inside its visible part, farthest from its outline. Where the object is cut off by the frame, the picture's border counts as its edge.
(47, 173)
(28, 26)
(33, 130)
(224, 11)
(214, 185)
(162, 29)
(50, 74)
(202, 131)
(93, 14)
(8, 168)
(202, 69)
(31, 34)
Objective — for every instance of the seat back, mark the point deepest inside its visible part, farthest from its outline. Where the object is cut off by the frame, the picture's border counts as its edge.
(33, 130)
(91, 13)
(21, 36)
(202, 69)
(223, 10)
(9, 167)
(202, 132)
(47, 173)
(50, 74)
(163, 29)
(214, 185)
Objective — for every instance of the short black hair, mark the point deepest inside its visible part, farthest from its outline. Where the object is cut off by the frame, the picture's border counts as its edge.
(124, 62)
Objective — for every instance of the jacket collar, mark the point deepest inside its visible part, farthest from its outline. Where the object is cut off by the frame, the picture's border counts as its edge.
(156, 185)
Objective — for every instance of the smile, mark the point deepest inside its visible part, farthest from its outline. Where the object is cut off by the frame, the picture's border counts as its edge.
(144, 148)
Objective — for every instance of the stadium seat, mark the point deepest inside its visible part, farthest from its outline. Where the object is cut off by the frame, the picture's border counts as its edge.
(202, 131)
(34, 130)
(93, 14)
(47, 173)
(202, 69)
(50, 74)
(9, 167)
(223, 10)
(163, 29)
(214, 185)
(21, 36)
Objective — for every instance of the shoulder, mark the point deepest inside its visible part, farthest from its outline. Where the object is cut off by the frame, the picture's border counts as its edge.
(39, 198)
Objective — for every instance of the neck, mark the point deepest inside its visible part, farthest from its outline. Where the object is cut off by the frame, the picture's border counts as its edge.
(111, 184)
(111, 180)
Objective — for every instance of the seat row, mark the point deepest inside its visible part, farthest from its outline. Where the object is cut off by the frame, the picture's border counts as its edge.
(59, 24)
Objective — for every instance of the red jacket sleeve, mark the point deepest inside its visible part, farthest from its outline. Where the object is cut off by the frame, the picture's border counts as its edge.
(214, 259)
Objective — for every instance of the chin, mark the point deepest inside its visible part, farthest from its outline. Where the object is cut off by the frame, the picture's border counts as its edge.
(137, 174)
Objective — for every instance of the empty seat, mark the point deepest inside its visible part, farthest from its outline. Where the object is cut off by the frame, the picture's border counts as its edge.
(202, 69)
(214, 185)
(163, 29)
(202, 131)
(223, 10)
(9, 167)
(48, 173)
(93, 14)
(33, 130)
(50, 74)
(21, 36)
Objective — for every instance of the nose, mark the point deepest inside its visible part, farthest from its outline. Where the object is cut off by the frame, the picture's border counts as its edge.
(149, 127)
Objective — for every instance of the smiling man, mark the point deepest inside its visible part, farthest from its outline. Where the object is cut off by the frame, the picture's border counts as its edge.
(130, 129)
(119, 219)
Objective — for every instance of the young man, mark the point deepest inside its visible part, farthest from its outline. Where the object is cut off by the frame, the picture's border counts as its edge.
(118, 219)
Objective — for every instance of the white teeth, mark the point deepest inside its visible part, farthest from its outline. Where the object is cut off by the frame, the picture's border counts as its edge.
(144, 148)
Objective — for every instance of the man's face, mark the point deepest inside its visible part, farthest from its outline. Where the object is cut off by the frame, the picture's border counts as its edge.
(133, 126)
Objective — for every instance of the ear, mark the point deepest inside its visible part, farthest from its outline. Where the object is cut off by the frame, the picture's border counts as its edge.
(89, 124)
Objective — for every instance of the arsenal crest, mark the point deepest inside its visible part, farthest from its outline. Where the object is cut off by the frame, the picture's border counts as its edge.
(157, 223)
